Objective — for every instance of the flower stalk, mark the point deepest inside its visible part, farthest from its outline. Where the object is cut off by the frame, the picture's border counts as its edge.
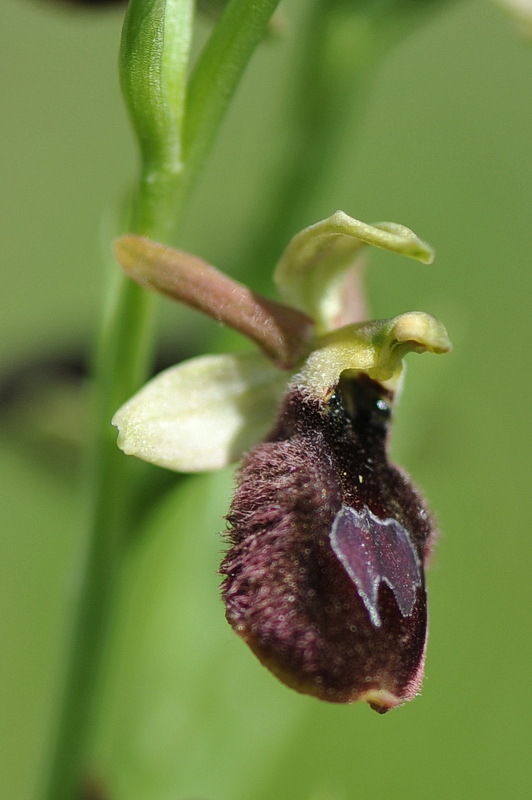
(154, 57)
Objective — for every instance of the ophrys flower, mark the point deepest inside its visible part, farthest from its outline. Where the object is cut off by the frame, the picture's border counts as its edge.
(324, 578)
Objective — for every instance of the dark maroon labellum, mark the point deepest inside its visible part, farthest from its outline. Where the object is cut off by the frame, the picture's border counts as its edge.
(324, 577)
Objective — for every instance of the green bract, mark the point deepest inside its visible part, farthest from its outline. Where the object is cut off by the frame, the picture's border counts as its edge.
(154, 55)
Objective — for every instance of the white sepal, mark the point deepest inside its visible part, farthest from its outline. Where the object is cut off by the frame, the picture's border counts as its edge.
(202, 414)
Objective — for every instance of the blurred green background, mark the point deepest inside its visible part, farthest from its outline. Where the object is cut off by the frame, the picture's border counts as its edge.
(444, 146)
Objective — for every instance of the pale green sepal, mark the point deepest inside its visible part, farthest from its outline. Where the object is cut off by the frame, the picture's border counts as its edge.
(202, 414)
(312, 270)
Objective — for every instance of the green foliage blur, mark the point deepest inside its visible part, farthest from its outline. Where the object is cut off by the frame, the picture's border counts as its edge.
(442, 145)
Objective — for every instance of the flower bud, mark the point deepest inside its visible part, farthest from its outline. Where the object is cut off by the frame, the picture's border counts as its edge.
(153, 61)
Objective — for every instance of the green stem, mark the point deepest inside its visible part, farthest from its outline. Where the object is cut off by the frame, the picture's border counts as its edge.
(124, 353)
(121, 361)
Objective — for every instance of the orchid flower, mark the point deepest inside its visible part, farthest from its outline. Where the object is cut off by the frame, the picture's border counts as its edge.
(324, 576)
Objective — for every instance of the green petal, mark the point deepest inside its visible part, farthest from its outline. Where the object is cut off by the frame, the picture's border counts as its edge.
(202, 414)
(312, 272)
(282, 332)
